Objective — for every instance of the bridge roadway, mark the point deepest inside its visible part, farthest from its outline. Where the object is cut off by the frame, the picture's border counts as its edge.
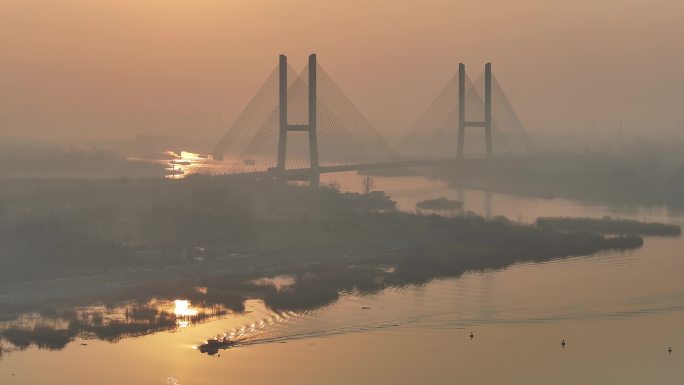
(305, 173)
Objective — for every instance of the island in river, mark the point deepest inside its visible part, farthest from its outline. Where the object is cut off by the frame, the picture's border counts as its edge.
(95, 258)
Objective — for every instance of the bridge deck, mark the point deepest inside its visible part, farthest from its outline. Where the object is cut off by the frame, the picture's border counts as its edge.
(304, 173)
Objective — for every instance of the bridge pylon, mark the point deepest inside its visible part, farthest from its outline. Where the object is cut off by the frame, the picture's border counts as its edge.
(486, 123)
(285, 127)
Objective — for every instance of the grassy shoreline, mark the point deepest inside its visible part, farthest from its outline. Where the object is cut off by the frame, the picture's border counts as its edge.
(609, 226)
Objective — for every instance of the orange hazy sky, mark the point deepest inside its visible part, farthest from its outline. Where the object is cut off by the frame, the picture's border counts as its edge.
(115, 68)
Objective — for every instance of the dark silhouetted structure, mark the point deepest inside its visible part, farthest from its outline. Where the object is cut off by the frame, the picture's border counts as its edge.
(263, 141)
(310, 127)
(463, 123)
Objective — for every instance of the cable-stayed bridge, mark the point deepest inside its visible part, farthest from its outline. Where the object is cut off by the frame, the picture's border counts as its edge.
(301, 124)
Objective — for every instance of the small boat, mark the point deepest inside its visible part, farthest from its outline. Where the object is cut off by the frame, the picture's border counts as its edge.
(214, 344)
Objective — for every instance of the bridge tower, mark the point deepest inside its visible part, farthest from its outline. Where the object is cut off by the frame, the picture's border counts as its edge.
(463, 123)
(285, 127)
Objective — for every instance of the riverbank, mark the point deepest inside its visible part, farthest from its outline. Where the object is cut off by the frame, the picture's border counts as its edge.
(439, 247)
(609, 225)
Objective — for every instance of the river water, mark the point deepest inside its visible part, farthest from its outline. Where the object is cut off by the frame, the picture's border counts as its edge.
(617, 311)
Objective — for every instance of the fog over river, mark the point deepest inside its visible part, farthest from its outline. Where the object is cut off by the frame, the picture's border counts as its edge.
(618, 313)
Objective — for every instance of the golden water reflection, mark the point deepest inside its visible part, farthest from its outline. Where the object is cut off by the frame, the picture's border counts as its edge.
(279, 282)
(184, 311)
(184, 163)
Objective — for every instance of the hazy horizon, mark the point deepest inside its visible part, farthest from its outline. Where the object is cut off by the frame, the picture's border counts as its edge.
(115, 69)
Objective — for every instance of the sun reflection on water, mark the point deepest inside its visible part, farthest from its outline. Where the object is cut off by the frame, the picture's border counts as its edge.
(183, 311)
(184, 163)
(183, 308)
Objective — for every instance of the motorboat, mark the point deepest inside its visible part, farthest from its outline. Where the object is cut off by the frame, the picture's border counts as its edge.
(213, 345)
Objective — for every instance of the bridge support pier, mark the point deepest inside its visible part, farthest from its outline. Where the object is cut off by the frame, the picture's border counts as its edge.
(285, 127)
(463, 123)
